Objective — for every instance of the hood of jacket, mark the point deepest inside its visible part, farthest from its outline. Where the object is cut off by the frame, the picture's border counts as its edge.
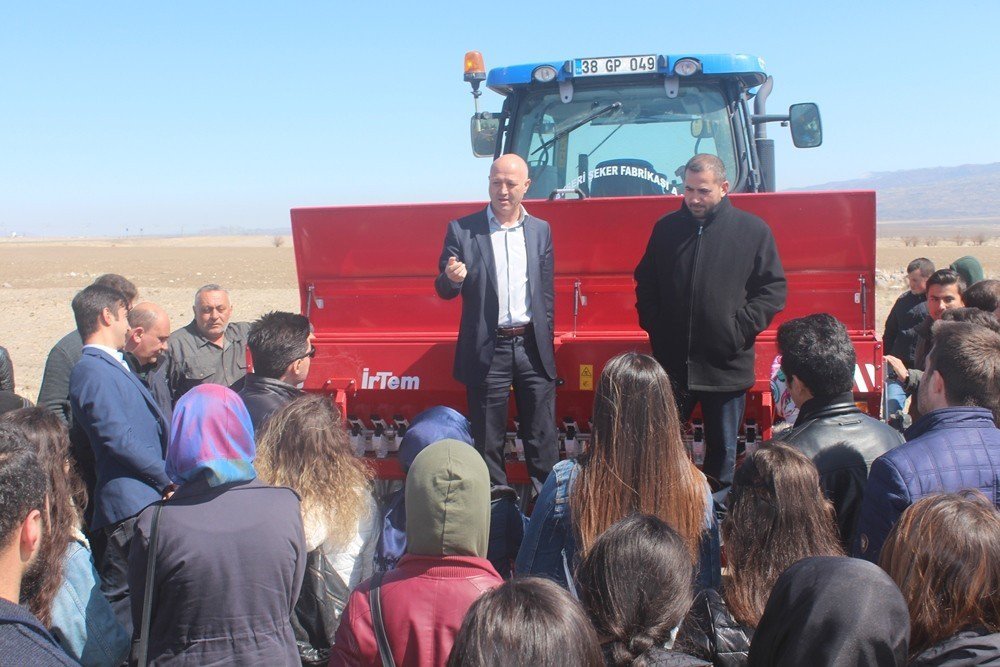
(832, 611)
(429, 426)
(448, 502)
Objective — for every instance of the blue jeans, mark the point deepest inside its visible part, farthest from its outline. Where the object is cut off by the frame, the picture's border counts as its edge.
(895, 397)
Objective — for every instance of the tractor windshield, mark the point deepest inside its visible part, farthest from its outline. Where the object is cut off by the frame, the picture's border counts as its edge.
(625, 140)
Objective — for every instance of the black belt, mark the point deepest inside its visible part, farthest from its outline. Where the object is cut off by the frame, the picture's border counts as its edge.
(511, 332)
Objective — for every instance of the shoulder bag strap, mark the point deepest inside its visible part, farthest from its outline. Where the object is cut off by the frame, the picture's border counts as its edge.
(147, 598)
(375, 602)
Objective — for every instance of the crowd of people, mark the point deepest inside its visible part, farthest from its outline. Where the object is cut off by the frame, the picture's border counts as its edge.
(163, 505)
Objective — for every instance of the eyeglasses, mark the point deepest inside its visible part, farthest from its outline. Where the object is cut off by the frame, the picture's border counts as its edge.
(310, 354)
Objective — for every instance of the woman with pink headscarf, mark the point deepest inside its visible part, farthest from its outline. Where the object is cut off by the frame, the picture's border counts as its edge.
(230, 551)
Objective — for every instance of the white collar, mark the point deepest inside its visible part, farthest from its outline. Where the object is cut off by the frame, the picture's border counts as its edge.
(491, 217)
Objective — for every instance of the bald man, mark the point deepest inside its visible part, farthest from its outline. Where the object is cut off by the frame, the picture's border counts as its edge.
(145, 349)
(500, 260)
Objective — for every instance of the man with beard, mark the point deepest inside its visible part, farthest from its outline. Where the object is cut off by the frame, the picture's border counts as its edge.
(709, 282)
(955, 445)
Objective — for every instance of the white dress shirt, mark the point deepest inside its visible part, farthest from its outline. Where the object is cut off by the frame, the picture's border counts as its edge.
(510, 255)
(115, 354)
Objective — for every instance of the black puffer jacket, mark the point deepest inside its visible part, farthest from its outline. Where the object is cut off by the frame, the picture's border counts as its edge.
(711, 633)
(843, 442)
(6, 371)
(704, 290)
(967, 648)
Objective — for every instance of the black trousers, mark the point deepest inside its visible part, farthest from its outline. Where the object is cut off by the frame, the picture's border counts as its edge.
(515, 362)
(113, 568)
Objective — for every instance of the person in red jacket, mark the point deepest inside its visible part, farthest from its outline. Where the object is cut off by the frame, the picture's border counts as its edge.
(442, 573)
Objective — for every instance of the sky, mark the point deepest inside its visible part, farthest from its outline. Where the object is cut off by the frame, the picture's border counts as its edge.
(182, 116)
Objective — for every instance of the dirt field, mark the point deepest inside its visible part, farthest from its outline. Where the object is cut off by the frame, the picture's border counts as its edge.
(39, 278)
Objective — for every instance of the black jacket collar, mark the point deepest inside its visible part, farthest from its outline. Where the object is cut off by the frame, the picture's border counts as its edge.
(721, 209)
(830, 406)
(258, 384)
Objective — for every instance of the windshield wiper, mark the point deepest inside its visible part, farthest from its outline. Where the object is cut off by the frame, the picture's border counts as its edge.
(614, 106)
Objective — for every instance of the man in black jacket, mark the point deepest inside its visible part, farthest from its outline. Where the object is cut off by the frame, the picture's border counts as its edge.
(145, 348)
(818, 360)
(900, 335)
(282, 350)
(709, 282)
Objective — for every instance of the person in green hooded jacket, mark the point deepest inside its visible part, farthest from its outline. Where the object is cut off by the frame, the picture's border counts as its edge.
(443, 571)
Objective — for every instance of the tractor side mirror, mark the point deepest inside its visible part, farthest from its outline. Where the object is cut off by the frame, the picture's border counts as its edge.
(807, 130)
(484, 128)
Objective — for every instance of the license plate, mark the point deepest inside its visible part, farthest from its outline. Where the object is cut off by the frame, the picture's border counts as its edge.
(614, 65)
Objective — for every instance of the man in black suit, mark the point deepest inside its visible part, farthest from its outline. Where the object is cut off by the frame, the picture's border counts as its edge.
(500, 260)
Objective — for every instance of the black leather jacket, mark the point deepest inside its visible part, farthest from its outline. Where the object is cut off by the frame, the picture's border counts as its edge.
(317, 612)
(969, 647)
(843, 442)
(710, 632)
(6, 371)
(263, 396)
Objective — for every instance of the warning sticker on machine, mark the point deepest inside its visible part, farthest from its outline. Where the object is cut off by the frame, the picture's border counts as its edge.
(586, 377)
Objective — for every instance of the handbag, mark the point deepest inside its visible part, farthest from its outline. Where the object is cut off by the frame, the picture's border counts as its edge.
(375, 602)
(142, 654)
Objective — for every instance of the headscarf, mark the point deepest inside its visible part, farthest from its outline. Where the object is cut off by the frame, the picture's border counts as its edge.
(969, 268)
(832, 611)
(211, 437)
(448, 502)
(431, 425)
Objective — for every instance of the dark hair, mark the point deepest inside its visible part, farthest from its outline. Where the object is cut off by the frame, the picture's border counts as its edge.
(707, 162)
(636, 461)
(777, 516)
(973, 316)
(967, 356)
(526, 621)
(922, 264)
(817, 350)
(276, 340)
(22, 482)
(984, 295)
(90, 302)
(48, 436)
(943, 555)
(636, 584)
(120, 283)
(945, 277)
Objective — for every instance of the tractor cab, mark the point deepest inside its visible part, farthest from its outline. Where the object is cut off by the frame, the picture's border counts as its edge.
(626, 126)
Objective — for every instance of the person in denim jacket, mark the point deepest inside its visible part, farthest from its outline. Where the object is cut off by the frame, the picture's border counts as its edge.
(82, 619)
(636, 462)
(65, 591)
